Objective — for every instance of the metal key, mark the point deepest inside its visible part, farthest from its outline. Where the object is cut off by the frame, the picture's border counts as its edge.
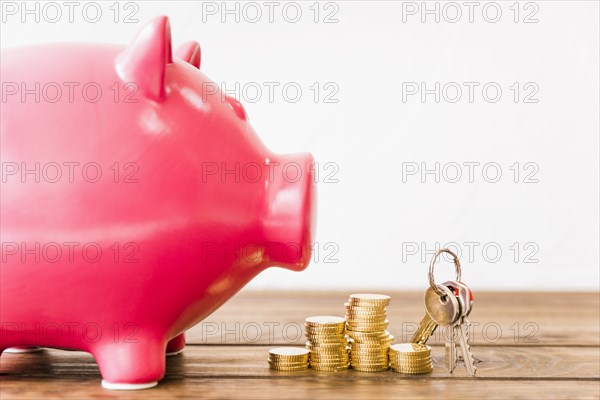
(461, 327)
(450, 354)
(441, 310)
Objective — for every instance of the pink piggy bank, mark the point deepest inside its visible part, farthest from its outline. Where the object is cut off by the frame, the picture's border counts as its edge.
(136, 199)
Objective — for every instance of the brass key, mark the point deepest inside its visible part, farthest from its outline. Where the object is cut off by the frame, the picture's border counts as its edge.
(440, 310)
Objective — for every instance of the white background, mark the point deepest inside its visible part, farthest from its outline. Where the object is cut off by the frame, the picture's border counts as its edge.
(379, 226)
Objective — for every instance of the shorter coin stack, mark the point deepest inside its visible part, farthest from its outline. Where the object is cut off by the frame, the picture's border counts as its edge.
(411, 358)
(288, 358)
(369, 340)
(327, 343)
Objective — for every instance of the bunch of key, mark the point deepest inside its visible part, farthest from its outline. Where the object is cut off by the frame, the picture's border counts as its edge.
(411, 358)
(448, 305)
(366, 326)
(327, 343)
(288, 358)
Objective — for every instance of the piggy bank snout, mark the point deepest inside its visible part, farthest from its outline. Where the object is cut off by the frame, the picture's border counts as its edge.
(291, 210)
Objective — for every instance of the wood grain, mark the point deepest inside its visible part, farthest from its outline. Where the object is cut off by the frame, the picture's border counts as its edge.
(528, 319)
(290, 389)
(563, 364)
(202, 361)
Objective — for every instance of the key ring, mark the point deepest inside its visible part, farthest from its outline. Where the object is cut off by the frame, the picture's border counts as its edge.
(431, 265)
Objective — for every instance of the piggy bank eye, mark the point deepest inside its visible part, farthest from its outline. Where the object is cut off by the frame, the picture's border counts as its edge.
(237, 107)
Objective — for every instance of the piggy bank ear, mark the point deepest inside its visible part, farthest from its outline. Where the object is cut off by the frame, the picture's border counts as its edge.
(189, 52)
(145, 60)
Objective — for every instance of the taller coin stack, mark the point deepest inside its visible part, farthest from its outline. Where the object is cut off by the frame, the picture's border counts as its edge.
(366, 327)
(327, 343)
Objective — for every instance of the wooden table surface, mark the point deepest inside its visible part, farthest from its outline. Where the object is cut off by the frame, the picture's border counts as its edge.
(527, 345)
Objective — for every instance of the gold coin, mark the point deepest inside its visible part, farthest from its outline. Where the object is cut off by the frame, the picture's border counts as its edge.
(411, 365)
(324, 320)
(384, 345)
(366, 309)
(366, 350)
(325, 356)
(412, 356)
(294, 363)
(363, 361)
(351, 315)
(329, 362)
(365, 312)
(373, 323)
(410, 348)
(358, 327)
(276, 365)
(353, 334)
(352, 323)
(279, 361)
(282, 368)
(333, 344)
(409, 355)
(340, 361)
(413, 368)
(413, 371)
(368, 318)
(329, 369)
(324, 332)
(288, 352)
(369, 356)
(362, 348)
(421, 364)
(328, 336)
(360, 368)
(369, 298)
(369, 353)
(328, 350)
(325, 328)
(336, 363)
(327, 340)
(339, 342)
(370, 340)
(368, 329)
(330, 358)
(366, 363)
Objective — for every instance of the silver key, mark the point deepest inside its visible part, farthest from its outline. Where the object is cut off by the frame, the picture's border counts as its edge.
(462, 332)
(450, 354)
(440, 311)
(461, 327)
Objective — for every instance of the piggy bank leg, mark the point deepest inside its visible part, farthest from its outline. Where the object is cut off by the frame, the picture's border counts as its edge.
(176, 345)
(23, 349)
(131, 366)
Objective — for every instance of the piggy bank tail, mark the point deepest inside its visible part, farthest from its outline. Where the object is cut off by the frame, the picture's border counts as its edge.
(289, 225)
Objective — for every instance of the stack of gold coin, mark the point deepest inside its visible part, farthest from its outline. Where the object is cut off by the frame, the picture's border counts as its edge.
(327, 343)
(411, 358)
(366, 326)
(288, 358)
